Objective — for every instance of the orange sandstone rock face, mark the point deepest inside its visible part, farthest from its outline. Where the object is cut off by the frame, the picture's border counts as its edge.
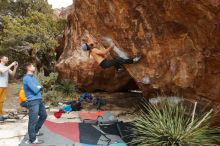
(76, 65)
(179, 40)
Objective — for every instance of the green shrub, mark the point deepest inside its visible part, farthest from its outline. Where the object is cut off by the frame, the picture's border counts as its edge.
(54, 91)
(53, 97)
(48, 82)
(50, 94)
(68, 88)
(170, 124)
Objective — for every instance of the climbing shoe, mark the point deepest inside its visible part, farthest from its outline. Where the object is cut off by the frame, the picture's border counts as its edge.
(137, 58)
(39, 134)
(35, 142)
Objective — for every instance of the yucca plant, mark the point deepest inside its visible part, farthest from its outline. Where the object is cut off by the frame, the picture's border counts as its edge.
(68, 88)
(171, 124)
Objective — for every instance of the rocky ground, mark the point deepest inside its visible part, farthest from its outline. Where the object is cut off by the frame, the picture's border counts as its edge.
(12, 132)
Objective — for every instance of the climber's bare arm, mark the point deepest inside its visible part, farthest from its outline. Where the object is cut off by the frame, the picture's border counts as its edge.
(102, 52)
(99, 52)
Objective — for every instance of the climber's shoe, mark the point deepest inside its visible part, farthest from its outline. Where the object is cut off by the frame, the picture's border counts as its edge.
(137, 58)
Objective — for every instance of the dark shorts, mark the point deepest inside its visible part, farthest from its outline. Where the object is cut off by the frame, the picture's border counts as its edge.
(117, 63)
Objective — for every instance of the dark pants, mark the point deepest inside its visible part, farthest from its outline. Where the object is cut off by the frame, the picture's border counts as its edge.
(117, 63)
(36, 108)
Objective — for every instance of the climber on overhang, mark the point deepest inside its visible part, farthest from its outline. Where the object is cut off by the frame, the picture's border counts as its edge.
(101, 55)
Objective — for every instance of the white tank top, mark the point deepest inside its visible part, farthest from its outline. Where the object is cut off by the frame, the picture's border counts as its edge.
(3, 77)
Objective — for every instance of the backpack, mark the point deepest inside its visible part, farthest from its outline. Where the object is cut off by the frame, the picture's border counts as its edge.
(76, 106)
(85, 97)
(99, 102)
(22, 96)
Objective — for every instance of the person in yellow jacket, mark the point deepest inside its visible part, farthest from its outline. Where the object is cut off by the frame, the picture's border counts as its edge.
(22, 97)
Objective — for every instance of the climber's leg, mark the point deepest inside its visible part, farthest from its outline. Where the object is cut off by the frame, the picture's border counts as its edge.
(110, 63)
(118, 62)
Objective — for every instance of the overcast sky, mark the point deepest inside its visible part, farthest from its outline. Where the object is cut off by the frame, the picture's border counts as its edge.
(60, 3)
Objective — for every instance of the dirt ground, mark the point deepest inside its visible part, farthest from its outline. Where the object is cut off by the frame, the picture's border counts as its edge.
(122, 105)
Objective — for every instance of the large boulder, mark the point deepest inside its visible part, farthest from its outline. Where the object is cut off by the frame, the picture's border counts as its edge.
(76, 65)
(179, 40)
